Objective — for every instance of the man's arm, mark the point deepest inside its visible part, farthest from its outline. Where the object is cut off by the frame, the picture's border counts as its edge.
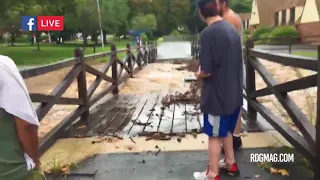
(205, 57)
(28, 136)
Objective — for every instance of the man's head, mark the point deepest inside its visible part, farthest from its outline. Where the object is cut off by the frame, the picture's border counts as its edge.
(208, 8)
(223, 6)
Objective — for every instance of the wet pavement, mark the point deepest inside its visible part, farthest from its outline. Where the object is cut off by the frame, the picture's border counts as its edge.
(285, 48)
(180, 166)
(174, 50)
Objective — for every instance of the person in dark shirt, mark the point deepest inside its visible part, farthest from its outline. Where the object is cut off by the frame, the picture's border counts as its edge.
(221, 94)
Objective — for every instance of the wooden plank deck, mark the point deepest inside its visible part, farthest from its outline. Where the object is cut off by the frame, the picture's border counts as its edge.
(133, 114)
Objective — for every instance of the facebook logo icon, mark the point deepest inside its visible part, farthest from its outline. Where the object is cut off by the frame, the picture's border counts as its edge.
(29, 23)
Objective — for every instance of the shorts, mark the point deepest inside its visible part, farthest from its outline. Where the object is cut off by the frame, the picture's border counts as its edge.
(219, 126)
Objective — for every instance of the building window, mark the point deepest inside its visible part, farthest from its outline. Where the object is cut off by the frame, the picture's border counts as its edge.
(248, 24)
(284, 17)
(276, 18)
(244, 24)
(292, 15)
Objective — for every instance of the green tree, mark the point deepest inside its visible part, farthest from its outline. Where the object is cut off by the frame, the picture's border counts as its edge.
(139, 7)
(35, 10)
(114, 16)
(11, 21)
(84, 18)
(144, 22)
(170, 14)
(243, 6)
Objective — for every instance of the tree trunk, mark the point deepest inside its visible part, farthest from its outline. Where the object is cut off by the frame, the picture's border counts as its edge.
(38, 39)
(49, 36)
(12, 39)
(104, 37)
(84, 37)
(95, 39)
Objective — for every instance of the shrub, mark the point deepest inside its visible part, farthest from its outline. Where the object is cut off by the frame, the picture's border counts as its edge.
(44, 37)
(175, 33)
(144, 37)
(20, 39)
(160, 39)
(264, 38)
(257, 34)
(285, 35)
(246, 32)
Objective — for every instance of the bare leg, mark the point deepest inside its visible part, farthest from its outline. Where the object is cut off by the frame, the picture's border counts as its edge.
(228, 149)
(237, 130)
(214, 154)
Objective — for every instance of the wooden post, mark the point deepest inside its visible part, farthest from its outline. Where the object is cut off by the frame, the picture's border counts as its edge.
(114, 68)
(290, 45)
(139, 56)
(149, 52)
(154, 47)
(197, 50)
(192, 49)
(130, 60)
(156, 50)
(82, 83)
(250, 79)
(145, 55)
(317, 170)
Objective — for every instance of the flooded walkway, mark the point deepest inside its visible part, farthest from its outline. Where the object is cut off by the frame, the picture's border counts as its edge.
(174, 50)
(138, 110)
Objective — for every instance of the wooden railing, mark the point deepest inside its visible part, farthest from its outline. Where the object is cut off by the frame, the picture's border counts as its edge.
(308, 144)
(143, 55)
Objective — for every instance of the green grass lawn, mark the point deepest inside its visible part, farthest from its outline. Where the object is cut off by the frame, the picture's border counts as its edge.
(307, 54)
(24, 54)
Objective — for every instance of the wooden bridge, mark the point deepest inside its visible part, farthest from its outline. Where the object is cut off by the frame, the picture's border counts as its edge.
(128, 114)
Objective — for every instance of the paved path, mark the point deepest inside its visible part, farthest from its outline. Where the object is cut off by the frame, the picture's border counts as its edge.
(179, 166)
(285, 48)
(174, 50)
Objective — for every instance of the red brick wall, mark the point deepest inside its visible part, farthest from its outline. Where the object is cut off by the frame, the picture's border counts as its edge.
(309, 29)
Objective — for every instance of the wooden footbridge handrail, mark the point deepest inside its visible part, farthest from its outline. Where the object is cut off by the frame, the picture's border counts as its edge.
(121, 70)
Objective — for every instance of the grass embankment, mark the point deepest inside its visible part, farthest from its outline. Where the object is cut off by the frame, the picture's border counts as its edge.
(25, 54)
(307, 54)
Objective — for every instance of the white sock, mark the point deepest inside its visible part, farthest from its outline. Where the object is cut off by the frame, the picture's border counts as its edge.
(236, 135)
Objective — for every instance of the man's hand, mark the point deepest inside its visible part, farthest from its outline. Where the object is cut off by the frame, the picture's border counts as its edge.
(197, 74)
(201, 75)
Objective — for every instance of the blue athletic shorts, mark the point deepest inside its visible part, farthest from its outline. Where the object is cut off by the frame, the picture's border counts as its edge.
(219, 126)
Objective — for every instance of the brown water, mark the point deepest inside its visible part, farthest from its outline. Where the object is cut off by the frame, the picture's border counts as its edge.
(156, 77)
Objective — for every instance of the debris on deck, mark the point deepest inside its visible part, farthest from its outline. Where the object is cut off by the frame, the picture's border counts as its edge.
(192, 96)
(191, 65)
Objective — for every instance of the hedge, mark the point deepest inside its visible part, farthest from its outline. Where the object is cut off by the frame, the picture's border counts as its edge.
(175, 33)
(257, 34)
(278, 35)
(284, 34)
(144, 37)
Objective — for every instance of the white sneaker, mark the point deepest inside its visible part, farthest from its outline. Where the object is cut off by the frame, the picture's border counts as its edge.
(222, 163)
(200, 175)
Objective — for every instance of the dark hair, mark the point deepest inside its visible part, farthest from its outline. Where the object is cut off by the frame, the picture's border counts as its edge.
(226, 1)
(208, 8)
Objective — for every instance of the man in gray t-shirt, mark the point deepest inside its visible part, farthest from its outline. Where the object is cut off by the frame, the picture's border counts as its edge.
(221, 95)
